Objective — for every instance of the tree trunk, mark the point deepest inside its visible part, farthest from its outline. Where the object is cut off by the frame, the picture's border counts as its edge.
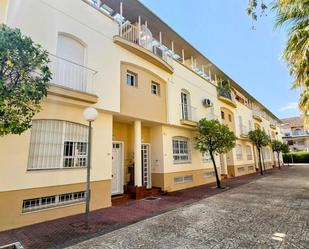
(260, 161)
(216, 171)
(263, 164)
(279, 159)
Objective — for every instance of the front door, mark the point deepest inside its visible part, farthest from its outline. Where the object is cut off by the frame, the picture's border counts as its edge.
(117, 173)
(146, 168)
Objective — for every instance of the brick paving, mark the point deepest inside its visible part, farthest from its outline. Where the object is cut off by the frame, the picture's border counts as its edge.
(271, 212)
(70, 230)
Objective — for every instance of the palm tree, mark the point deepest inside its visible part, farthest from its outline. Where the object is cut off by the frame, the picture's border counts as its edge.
(294, 15)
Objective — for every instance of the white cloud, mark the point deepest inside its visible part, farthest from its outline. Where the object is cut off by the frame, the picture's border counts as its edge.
(289, 106)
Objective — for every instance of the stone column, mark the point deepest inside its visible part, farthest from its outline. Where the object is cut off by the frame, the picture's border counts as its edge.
(137, 153)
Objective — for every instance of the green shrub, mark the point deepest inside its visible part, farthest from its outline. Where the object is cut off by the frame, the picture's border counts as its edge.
(298, 157)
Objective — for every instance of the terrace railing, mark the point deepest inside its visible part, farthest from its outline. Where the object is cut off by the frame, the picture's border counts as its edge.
(72, 75)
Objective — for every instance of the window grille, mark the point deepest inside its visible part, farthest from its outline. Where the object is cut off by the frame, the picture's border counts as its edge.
(181, 151)
(52, 201)
(249, 153)
(183, 179)
(57, 144)
(238, 152)
(206, 157)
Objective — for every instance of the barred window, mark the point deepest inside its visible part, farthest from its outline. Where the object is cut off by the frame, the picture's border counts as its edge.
(57, 144)
(249, 153)
(52, 201)
(206, 157)
(183, 179)
(238, 152)
(181, 150)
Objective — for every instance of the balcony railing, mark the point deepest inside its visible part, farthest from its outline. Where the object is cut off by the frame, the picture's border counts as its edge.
(72, 75)
(257, 112)
(226, 93)
(142, 36)
(243, 130)
(188, 113)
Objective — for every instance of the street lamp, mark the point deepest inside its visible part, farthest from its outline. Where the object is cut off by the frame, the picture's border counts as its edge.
(90, 114)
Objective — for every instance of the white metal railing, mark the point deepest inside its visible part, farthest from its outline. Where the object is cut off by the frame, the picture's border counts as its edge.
(134, 33)
(226, 93)
(72, 75)
(243, 130)
(188, 112)
(256, 112)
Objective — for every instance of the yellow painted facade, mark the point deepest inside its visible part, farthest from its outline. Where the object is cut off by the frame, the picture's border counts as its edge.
(143, 96)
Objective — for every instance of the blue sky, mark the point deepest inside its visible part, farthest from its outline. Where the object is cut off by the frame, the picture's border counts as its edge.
(221, 30)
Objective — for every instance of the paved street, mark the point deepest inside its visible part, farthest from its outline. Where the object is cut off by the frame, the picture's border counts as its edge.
(272, 212)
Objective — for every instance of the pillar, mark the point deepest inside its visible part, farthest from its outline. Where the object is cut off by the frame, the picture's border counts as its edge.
(137, 153)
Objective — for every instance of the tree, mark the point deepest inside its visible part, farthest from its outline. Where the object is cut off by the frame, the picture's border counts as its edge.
(277, 147)
(293, 15)
(285, 148)
(214, 138)
(24, 75)
(260, 139)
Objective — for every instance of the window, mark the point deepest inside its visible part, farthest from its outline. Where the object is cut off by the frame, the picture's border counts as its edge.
(241, 169)
(131, 79)
(297, 132)
(70, 68)
(222, 114)
(183, 179)
(206, 157)
(209, 174)
(301, 142)
(185, 105)
(250, 168)
(290, 142)
(155, 88)
(52, 201)
(57, 144)
(266, 154)
(238, 152)
(181, 151)
(249, 152)
(230, 117)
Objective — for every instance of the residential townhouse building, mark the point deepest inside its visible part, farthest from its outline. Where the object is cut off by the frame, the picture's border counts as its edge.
(150, 88)
(295, 134)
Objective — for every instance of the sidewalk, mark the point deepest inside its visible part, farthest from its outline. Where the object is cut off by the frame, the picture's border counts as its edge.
(70, 230)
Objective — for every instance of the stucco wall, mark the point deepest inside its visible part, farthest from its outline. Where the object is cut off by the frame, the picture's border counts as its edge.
(15, 148)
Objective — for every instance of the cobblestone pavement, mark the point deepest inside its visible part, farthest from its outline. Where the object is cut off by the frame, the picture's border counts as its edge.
(71, 230)
(272, 212)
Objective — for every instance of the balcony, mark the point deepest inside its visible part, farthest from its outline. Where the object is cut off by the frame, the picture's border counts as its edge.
(188, 115)
(227, 96)
(273, 126)
(72, 80)
(243, 131)
(257, 114)
(138, 40)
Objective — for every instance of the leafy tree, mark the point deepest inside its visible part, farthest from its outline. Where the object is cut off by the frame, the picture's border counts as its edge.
(285, 148)
(277, 147)
(260, 139)
(293, 15)
(214, 138)
(24, 75)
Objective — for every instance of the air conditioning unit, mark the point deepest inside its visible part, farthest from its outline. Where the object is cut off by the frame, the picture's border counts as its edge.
(207, 102)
